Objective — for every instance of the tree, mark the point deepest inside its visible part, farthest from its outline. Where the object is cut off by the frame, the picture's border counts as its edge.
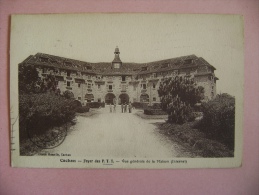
(178, 96)
(29, 80)
(41, 106)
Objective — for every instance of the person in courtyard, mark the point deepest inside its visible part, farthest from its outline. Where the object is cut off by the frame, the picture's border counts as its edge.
(130, 107)
(114, 108)
(122, 107)
(110, 107)
(125, 107)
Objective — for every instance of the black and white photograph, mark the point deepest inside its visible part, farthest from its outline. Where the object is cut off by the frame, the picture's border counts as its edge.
(126, 90)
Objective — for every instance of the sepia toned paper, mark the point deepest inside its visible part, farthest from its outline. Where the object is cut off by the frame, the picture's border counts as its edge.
(117, 58)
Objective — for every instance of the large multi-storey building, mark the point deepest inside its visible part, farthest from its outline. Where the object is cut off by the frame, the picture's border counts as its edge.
(135, 82)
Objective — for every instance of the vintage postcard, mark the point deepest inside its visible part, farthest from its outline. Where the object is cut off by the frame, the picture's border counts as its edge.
(149, 91)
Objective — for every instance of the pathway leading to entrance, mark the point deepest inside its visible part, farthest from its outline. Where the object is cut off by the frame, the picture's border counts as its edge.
(121, 135)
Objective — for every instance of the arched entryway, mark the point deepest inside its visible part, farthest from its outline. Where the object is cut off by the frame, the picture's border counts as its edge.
(109, 98)
(123, 98)
(144, 97)
(89, 97)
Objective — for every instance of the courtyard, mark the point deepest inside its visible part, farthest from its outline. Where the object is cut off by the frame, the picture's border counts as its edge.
(117, 135)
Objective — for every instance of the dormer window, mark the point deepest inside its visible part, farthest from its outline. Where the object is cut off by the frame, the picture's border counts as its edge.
(44, 59)
(178, 62)
(165, 66)
(53, 61)
(188, 61)
(67, 63)
(144, 68)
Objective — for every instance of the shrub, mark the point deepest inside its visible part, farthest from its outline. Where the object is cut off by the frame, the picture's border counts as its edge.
(151, 111)
(178, 96)
(156, 106)
(83, 109)
(218, 120)
(40, 112)
(141, 105)
(95, 104)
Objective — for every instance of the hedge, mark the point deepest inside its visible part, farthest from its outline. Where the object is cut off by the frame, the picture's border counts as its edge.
(40, 112)
(151, 111)
(83, 109)
(140, 105)
(95, 104)
(218, 120)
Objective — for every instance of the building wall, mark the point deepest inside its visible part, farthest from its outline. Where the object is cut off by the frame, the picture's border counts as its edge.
(98, 85)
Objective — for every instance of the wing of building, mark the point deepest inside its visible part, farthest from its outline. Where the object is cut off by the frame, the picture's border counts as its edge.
(135, 82)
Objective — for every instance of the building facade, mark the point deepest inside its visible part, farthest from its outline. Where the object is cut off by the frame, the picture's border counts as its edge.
(120, 81)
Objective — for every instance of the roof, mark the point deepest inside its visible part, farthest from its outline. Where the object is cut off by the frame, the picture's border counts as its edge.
(127, 68)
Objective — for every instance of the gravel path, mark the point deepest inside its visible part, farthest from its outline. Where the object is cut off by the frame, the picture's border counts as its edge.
(121, 135)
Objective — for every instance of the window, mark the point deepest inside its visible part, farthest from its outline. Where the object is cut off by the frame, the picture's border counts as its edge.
(89, 67)
(165, 66)
(154, 85)
(68, 73)
(144, 86)
(89, 86)
(68, 83)
(79, 98)
(99, 100)
(123, 78)
(117, 65)
(67, 63)
(154, 99)
(110, 87)
(79, 85)
(188, 61)
(144, 68)
(43, 59)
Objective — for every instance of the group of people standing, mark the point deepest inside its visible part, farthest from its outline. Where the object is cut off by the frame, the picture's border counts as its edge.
(124, 107)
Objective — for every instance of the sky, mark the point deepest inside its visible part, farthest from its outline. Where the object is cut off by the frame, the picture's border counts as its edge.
(140, 38)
